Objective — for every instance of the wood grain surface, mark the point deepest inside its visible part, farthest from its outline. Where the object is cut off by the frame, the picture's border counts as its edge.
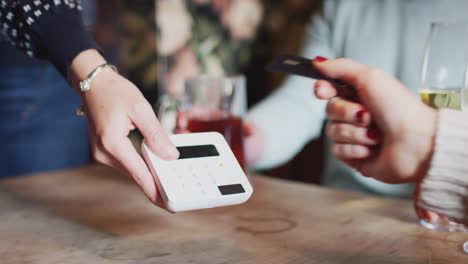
(94, 215)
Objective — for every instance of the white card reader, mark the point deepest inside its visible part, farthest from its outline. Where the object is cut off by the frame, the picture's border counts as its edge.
(205, 175)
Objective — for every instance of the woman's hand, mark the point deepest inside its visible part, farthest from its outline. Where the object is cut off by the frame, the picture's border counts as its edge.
(114, 107)
(254, 143)
(388, 134)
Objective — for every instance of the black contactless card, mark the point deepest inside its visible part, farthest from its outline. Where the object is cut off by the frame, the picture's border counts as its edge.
(300, 66)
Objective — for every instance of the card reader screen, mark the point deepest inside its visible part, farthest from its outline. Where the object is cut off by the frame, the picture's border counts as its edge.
(200, 151)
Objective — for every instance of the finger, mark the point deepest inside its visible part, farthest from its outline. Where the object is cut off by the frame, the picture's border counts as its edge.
(343, 69)
(104, 158)
(107, 159)
(346, 152)
(121, 149)
(181, 131)
(248, 128)
(182, 121)
(159, 202)
(339, 109)
(325, 90)
(145, 120)
(101, 156)
(371, 84)
(349, 134)
(356, 164)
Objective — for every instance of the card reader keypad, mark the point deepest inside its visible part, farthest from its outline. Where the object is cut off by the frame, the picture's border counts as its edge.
(204, 176)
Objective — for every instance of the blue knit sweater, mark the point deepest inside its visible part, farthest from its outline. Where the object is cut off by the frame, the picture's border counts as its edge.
(46, 29)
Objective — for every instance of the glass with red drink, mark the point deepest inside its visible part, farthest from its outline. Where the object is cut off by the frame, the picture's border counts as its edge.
(214, 104)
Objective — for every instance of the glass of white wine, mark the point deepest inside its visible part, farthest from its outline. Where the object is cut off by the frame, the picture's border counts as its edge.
(444, 85)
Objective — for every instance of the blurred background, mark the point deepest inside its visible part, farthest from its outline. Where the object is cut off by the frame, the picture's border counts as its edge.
(212, 37)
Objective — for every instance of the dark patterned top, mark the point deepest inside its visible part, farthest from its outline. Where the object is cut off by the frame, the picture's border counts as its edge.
(47, 29)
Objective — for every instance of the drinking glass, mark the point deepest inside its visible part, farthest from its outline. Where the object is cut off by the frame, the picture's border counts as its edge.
(444, 85)
(211, 104)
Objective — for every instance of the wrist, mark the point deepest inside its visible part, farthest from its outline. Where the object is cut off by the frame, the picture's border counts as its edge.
(83, 65)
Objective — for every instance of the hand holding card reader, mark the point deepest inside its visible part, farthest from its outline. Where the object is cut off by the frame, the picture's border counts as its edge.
(205, 175)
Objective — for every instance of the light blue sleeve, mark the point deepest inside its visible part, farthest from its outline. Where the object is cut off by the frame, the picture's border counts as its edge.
(292, 116)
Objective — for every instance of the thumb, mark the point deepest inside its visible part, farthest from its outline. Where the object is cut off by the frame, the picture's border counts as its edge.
(157, 139)
(343, 69)
(377, 90)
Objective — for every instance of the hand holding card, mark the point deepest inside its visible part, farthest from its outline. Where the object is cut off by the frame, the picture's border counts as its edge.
(304, 67)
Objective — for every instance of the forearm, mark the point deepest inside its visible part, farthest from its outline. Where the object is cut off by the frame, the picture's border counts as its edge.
(292, 116)
(288, 119)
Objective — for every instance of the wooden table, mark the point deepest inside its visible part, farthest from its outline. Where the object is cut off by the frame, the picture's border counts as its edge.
(94, 215)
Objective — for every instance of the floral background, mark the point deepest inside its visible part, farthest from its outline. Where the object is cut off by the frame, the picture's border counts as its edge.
(204, 37)
(166, 41)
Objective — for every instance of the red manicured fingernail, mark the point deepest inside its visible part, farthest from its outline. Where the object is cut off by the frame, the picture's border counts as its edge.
(360, 116)
(372, 134)
(320, 59)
